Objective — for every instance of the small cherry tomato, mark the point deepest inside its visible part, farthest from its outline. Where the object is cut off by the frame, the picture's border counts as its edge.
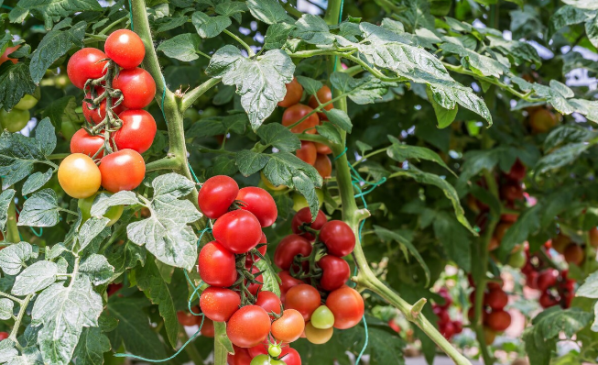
(489, 336)
(307, 153)
(207, 330)
(259, 202)
(248, 327)
(241, 357)
(28, 101)
(239, 231)
(517, 171)
(217, 265)
(574, 254)
(15, 120)
(5, 58)
(125, 48)
(97, 115)
(79, 176)
(82, 142)
(289, 327)
(85, 64)
(289, 247)
(288, 281)
(122, 170)
(295, 113)
(496, 299)
(304, 298)
(338, 238)
(547, 300)
(261, 349)
(261, 360)
(186, 319)
(289, 356)
(335, 272)
(322, 149)
(322, 318)
(274, 349)
(113, 213)
(216, 196)
(545, 280)
(318, 336)
(137, 131)
(293, 95)
(324, 166)
(269, 301)
(498, 320)
(219, 304)
(542, 121)
(324, 95)
(304, 217)
(347, 306)
(137, 86)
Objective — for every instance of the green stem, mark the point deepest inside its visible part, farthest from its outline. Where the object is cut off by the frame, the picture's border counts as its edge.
(370, 155)
(112, 25)
(57, 156)
(316, 110)
(291, 10)
(190, 97)
(250, 52)
(17, 325)
(314, 138)
(13, 298)
(12, 231)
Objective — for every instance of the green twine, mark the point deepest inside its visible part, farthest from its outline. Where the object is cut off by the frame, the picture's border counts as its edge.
(41, 230)
(167, 359)
(339, 156)
(131, 14)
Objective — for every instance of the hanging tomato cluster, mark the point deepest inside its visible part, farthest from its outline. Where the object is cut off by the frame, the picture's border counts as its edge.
(494, 316)
(446, 326)
(117, 129)
(313, 153)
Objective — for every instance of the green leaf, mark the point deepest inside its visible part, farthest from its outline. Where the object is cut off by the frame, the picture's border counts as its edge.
(14, 257)
(277, 35)
(8, 351)
(41, 210)
(223, 165)
(6, 309)
(103, 202)
(34, 278)
(279, 136)
(268, 11)
(230, 8)
(455, 239)
(589, 288)
(269, 276)
(384, 347)
(479, 64)
(36, 181)
(54, 45)
(209, 27)
(156, 289)
(445, 116)
(561, 157)
(97, 269)
(329, 132)
(406, 246)
(5, 199)
(567, 15)
(182, 47)
(261, 83)
(339, 118)
(527, 224)
(310, 85)
(313, 30)
(401, 152)
(45, 136)
(125, 257)
(250, 162)
(449, 96)
(51, 10)
(17, 156)
(15, 82)
(365, 90)
(567, 134)
(62, 110)
(91, 347)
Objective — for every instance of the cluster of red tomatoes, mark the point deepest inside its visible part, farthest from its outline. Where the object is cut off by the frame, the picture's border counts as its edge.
(494, 316)
(446, 326)
(313, 153)
(118, 130)
(573, 252)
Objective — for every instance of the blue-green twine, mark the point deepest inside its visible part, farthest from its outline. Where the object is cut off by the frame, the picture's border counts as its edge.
(131, 14)
(167, 359)
(41, 230)
(339, 156)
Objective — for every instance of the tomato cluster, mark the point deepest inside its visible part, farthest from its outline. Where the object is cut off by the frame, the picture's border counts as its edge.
(313, 153)
(494, 316)
(118, 130)
(446, 326)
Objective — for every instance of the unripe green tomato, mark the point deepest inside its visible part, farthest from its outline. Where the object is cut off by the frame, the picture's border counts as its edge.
(591, 252)
(28, 101)
(274, 350)
(113, 213)
(68, 129)
(209, 112)
(192, 114)
(322, 318)
(15, 120)
(517, 259)
(353, 10)
(61, 81)
(370, 10)
(299, 201)
(261, 360)
(269, 185)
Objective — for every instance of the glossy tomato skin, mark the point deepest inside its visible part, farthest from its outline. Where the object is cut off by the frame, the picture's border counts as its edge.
(269, 301)
(137, 131)
(239, 231)
(338, 238)
(15, 120)
(216, 195)
(297, 112)
(79, 176)
(259, 202)
(335, 272)
(496, 299)
(547, 279)
(304, 217)
(241, 357)
(289, 247)
(86, 64)
(137, 86)
(207, 330)
(318, 336)
(322, 149)
(3, 335)
(307, 153)
(125, 48)
(498, 320)
(97, 115)
(219, 304)
(122, 170)
(289, 327)
(217, 265)
(5, 58)
(288, 281)
(347, 306)
(290, 356)
(82, 142)
(324, 166)
(304, 298)
(546, 300)
(248, 327)
(293, 95)
(186, 319)
(324, 95)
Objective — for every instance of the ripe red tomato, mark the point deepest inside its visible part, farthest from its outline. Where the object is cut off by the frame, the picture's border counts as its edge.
(496, 299)
(113, 289)
(207, 330)
(304, 298)
(259, 202)
(241, 357)
(217, 265)
(296, 113)
(97, 115)
(79, 176)
(289, 327)
(250, 259)
(216, 196)
(186, 318)
(82, 142)
(293, 95)
(86, 64)
(137, 131)
(324, 166)
(547, 300)
(304, 217)
(137, 86)
(338, 238)
(239, 231)
(290, 356)
(3, 335)
(254, 287)
(517, 171)
(547, 279)
(289, 247)
(125, 48)
(248, 327)
(122, 170)
(574, 254)
(5, 58)
(335, 272)
(322, 149)
(347, 306)
(511, 191)
(443, 292)
(531, 279)
(219, 304)
(307, 153)
(288, 281)
(442, 314)
(269, 301)
(498, 320)
(324, 95)
(261, 349)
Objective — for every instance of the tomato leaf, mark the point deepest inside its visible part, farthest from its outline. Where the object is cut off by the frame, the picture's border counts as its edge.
(91, 347)
(209, 26)
(15, 82)
(182, 47)
(561, 157)
(268, 11)
(61, 110)
(401, 152)
(103, 202)
(6, 309)
(51, 10)
(45, 136)
(330, 132)
(313, 30)
(125, 256)
(40, 210)
(339, 118)
(36, 181)
(310, 85)
(277, 35)
(279, 136)
(455, 239)
(231, 8)
(444, 116)
(5, 199)
(269, 275)
(365, 90)
(90, 230)
(34, 278)
(14, 257)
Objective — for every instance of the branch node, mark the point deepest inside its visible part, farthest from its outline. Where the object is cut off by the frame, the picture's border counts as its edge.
(417, 308)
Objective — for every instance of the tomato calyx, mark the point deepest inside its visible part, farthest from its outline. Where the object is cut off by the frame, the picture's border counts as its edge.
(247, 277)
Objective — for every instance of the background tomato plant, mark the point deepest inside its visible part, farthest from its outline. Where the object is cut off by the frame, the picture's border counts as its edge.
(456, 142)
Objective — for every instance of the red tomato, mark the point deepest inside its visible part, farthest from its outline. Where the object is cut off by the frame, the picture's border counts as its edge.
(261, 349)
(517, 171)
(287, 281)
(547, 279)
(307, 153)
(338, 238)
(296, 113)
(3, 335)
(207, 330)
(291, 246)
(137, 86)
(290, 356)
(392, 324)
(97, 115)
(186, 319)
(443, 292)
(293, 95)
(496, 299)
(122, 170)
(289, 327)
(304, 217)
(239, 231)
(137, 132)
(511, 191)
(5, 58)
(259, 202)
(125, 48)
(254, 288)
(113, 288)
(250, 259)
(324, 95)
(248, 327)
(83, 143)
(219, 304)
(442, 314)
(324, 166)
(335, 272)
(304, 298)
(574, 254)
(269, 301)
(322, 149)
(547, 300)
(498, 320)
(241, 357)
(217, 265)
(216, 195)
(86, 64)
(347, 306)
